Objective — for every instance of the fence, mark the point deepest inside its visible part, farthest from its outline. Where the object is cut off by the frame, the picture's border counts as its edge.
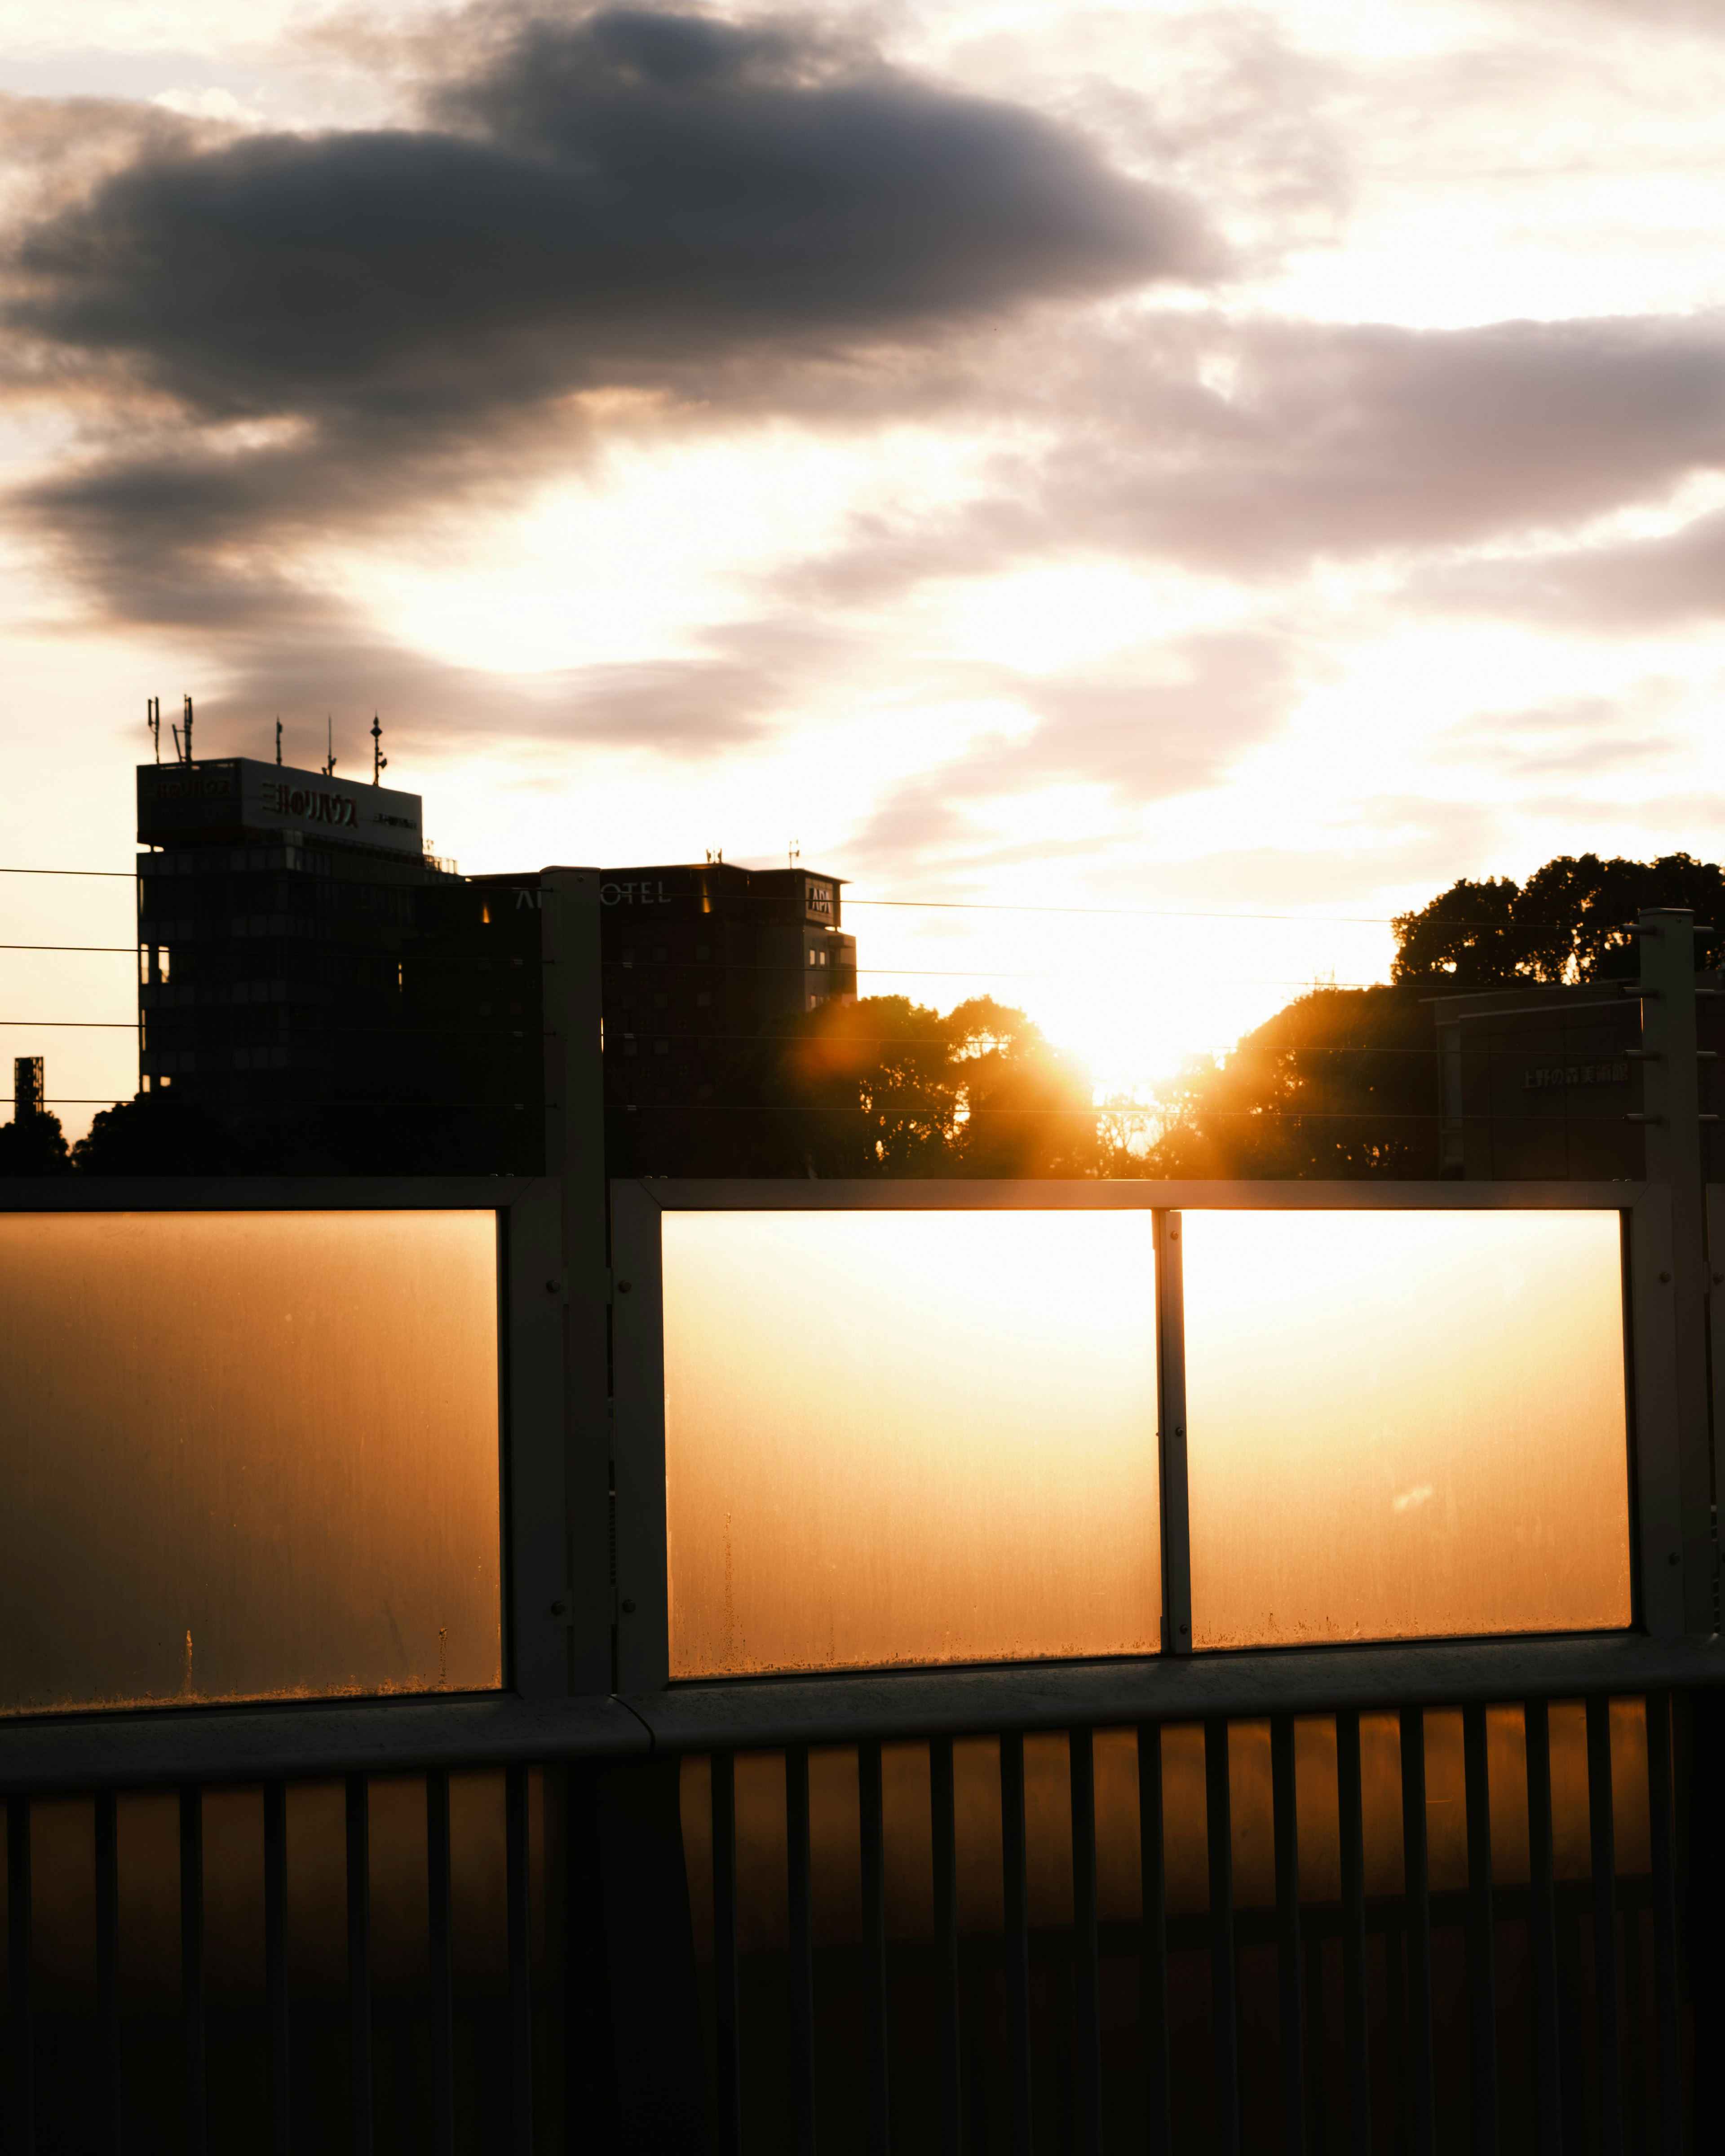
(1304, 1744)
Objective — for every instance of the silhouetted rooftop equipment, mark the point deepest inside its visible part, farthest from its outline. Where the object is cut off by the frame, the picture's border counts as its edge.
(26, 1087)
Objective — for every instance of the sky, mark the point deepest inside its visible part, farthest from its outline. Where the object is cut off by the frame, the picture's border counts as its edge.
(1164, 488)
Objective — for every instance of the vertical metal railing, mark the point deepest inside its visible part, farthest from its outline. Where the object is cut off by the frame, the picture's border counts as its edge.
(358, 1828)
(1087, 1971)
(194, 2080)
(441, 1974)
(1290, 2010)
(276, 1968)
(876, 2018)
(1482, 1933)
(944, 1866)
(107, 1915)
(1631, 2073)
(20, 1974)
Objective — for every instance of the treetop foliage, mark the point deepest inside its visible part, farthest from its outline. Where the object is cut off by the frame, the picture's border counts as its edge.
(1565, 924)
(1344, 1081)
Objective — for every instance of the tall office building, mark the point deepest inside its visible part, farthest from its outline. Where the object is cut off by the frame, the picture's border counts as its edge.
(700, 963)
(274, 905)
(310, 976)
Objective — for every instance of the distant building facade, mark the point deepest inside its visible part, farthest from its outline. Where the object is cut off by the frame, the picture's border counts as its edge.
(700, 963)
(274, 908)
(1545, 1083)
(306, 967)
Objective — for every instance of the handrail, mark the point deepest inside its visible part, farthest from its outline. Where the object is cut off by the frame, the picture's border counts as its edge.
(306, 1740)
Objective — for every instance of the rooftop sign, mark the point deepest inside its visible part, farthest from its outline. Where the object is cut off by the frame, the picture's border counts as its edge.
(182, 801)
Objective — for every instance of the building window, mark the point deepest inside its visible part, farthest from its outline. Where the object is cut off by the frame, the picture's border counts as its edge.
(661, 1047)
(629, 957)
(658, 954)
(704, 999)
(660, 1003)
(703, 950)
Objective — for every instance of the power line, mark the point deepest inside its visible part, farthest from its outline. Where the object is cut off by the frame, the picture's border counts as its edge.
(124, 875)
(991, 906)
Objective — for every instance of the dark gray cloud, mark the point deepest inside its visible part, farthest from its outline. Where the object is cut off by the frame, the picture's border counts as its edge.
(612, 199)
(627, 199)
(1261, 447)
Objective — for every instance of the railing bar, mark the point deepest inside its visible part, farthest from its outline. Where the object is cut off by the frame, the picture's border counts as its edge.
(1016, 1942)
(949, 2027)
(1153, 1950)
(195, 2129)
(1542, 1932)
(359, 1963)
(878, 2136)
(1318, 2043)
(1225, 2020)
(441, 2003)
(1416, 1889)
(22, 2015)
(275, 1967)
(519, 1887)
(726, 2017)
(1664, 1922)
(1086, 1979)
(107, 1899)
(1635, 2064)
(1356, 2028)
(801, 1950)
(1481, 1934)
(1607, 2006)
(1289, 1989)
(590, 2125)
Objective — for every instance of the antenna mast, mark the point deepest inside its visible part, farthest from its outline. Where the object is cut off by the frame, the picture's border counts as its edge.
(278, 744)
(329, 761)
(380, 762)
(188, 730)
(152, 719)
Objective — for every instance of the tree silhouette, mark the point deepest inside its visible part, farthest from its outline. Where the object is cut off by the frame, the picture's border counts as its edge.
(1566, 923)
(1343, 1081)
(33, 1145)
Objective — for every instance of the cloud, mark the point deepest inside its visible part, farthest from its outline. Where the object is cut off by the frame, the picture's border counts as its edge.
(1618, 588)
(1297, 441)
(1169, 721)
(1260, 448)
(630, 198)
(613, 200)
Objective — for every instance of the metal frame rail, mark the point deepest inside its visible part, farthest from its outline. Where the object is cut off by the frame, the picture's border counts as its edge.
(590, 1693)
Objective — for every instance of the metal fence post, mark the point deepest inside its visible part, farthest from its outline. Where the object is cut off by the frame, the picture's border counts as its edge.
(1664, 938)
(575, 1154)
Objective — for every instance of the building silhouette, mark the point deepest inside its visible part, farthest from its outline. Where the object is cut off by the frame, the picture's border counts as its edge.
(335, 997)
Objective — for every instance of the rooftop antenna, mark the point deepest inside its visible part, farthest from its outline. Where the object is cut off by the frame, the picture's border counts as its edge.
(380, 762)
(714, 856)
(277, 743)
(329, 761)
(188, 730)
(152, 719)
(795, 853)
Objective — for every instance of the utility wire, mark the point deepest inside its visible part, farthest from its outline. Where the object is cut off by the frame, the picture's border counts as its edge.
(990, 906)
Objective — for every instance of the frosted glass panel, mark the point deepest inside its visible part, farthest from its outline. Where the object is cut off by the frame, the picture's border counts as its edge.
(909, 1438)
(247, 1456)
(1404, 1425)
